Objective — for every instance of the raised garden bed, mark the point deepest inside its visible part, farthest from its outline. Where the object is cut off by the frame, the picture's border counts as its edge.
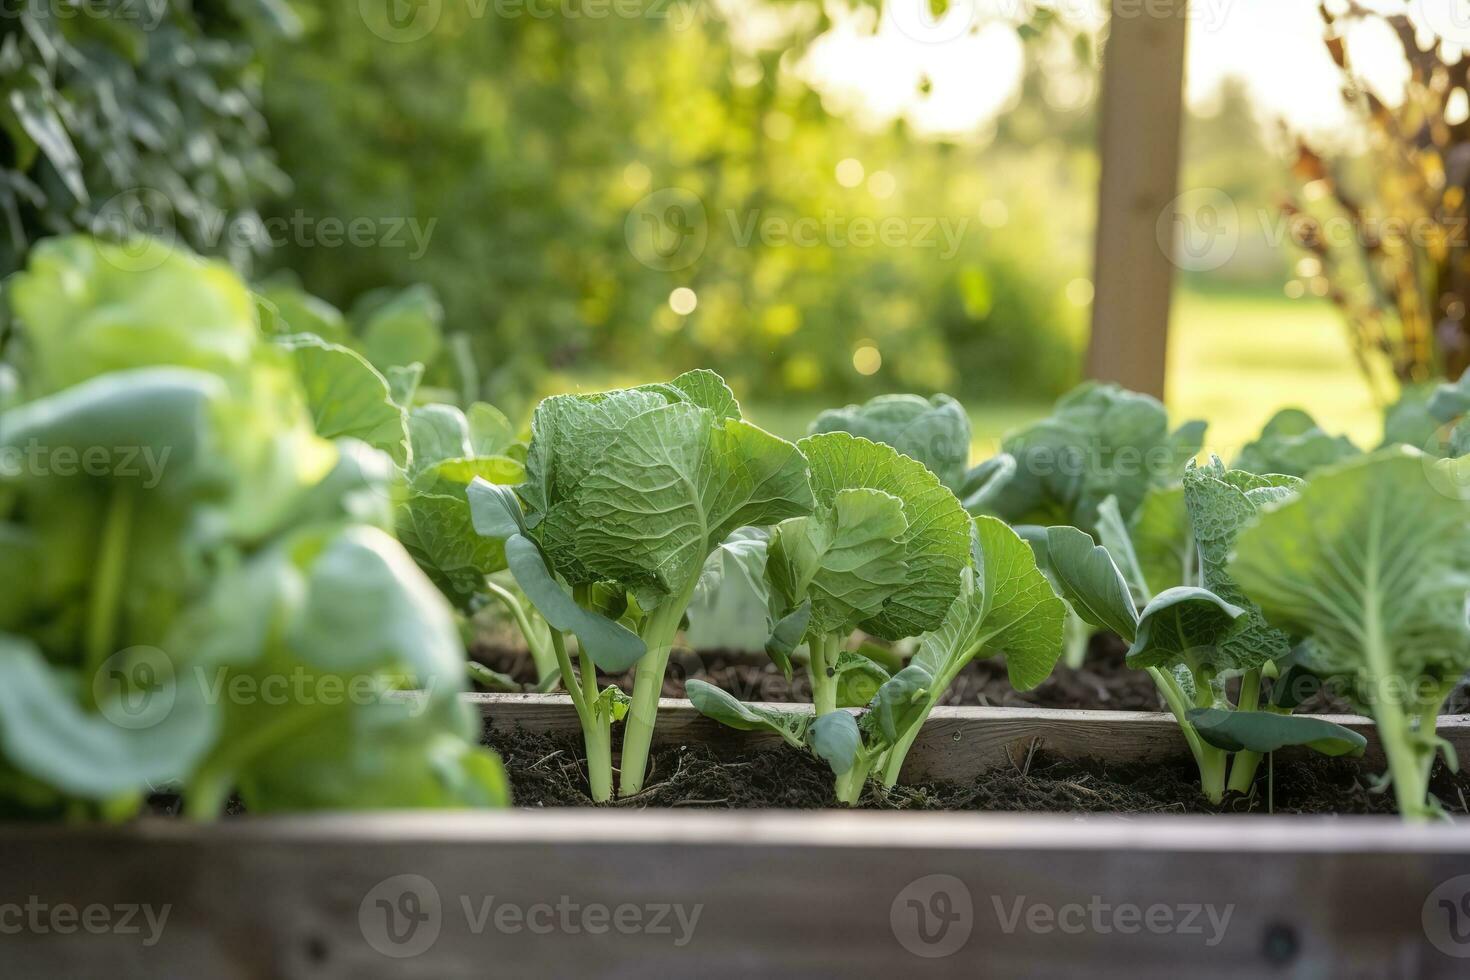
(763, 894)
(1045, 758)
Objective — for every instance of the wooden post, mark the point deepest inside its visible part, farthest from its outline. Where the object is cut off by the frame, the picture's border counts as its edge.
(1142, 95)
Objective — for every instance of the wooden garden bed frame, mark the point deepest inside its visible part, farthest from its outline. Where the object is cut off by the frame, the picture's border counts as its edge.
(778, 894)
(956, 743)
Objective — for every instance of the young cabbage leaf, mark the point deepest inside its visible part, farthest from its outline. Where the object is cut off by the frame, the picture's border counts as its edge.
(1371, 563)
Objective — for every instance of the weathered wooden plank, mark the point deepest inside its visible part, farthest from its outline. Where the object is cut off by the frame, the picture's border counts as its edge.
(957, 742)
(1142, 94)
(522, 894)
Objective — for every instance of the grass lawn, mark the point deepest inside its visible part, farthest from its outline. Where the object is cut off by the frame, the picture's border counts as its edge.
(1234, 359)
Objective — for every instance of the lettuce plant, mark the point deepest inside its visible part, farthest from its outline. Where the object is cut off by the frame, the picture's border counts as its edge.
(627, 494)
(1370, 564)
(1190, 624)
(215, 601)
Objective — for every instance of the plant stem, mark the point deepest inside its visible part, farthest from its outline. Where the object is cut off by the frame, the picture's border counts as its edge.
(596, 729)
(1243, 768)
(821, 666)
(1075, 636)
(544, 657)
(107, 582)
(894, 758)
(659, 631)
(1210, 760)
(850, 784)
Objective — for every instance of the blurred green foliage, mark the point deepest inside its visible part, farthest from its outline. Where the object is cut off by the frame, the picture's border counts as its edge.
(135, 115)
(527, 148)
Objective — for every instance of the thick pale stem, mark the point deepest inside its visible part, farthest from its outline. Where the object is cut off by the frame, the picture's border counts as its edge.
(1210, 760)
(850, 784)
(648, 681)
(822, 667)
(596, 730)
(894, 758)
(1243, 768)
(1075, 636)
(107, 579)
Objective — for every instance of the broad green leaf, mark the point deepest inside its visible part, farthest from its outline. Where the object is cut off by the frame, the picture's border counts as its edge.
(728, 710)
(672, 485)
(437, 432)
(569, 434)
(984, 483)
(835, 737)
(1221, 502)
(787, 635)
(846, 559)
(491, 433)
(937, 539)
(899, 703)
(1005, 605)
(1267, 731)
(1090, 581)
(150, 425)
(1450, 401)
(402, 329)
(1185, 625)
(703, 388)
(1293, 444)
(934, 431)
(300, 312)
(154, 725)
(731, 605)
(403, 383)
(611, 646)
(1114, 536)
(90, 308)
(494, 510)
(857, 679)
(347, 396)
(1100, 440)
(1371, 563)
(1162, 541)
(444, 538)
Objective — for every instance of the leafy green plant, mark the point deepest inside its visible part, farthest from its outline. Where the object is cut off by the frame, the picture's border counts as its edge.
(627, 495)
(1191, 626)
(1293, 444)
(136, 117)
(1101, 442)
(1371, 565)
(214, 550)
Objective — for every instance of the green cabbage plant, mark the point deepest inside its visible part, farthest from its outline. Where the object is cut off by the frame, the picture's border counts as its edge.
(199, 590)
(1165, 587)
(1370, 565)
(627, 495)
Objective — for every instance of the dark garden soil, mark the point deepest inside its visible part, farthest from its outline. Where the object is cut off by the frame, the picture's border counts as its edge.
(547, 770)
(1103, 682)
